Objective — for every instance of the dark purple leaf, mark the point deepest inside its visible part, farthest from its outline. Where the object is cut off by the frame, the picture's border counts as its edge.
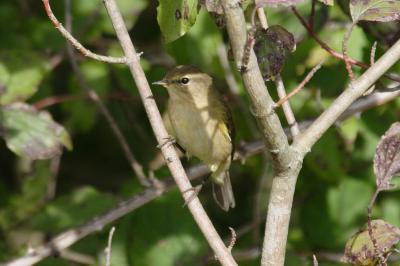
(272, 46)
(375, 10)
(273, 3)
(387, 157)
(360, 249)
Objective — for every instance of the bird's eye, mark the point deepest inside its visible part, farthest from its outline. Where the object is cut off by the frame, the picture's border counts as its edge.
(184, 80)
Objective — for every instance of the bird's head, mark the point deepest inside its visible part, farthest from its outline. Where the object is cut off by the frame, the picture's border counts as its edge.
(186, 81)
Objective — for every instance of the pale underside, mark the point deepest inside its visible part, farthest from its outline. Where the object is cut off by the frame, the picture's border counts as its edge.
(201, 133)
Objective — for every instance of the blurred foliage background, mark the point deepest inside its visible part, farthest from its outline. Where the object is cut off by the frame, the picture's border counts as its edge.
(334, 187)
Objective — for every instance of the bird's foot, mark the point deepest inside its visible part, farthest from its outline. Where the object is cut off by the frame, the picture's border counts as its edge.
(166, 141)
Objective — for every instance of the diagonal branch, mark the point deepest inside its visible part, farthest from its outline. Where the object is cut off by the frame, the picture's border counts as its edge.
(174, 164)
(306, 140)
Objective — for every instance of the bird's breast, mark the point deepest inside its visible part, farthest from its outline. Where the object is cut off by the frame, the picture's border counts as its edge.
(200, 132)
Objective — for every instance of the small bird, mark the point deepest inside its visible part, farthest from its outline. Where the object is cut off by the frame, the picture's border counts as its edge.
(201, 123)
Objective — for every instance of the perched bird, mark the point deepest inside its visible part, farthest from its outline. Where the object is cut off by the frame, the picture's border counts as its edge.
(201, 123)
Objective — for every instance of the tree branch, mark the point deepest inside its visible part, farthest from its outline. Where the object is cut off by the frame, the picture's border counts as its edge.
(306, 140)
(286, 164)
(76, 43)
(174, 164)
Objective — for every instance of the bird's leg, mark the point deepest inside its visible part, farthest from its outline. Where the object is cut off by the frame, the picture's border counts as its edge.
(195, 190)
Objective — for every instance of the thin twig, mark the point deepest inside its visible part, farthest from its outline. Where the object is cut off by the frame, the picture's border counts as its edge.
(372, 54)
(332, 52)
(76, 257)
(335, 54)
(300, 86)
(323, 44)
(312, 15)
(287, 109)
(174, 164)
(348, 96)
(92, 94)
(108, 249)
(67, 35)
(369, 223)
(345, 43)
(233, 239)
(262, 18)
(372, 61)
(56, 99)
(315, 261)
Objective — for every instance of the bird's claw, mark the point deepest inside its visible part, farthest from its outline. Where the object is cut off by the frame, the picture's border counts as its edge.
(167, 141)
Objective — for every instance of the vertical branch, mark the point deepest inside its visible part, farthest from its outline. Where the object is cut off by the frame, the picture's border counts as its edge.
(369, 223)
(174, 164)
(286, 164)
(345, 43)
(261, 101)
(287, 109)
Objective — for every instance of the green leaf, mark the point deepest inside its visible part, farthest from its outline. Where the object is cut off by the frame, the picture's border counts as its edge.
(375, 10)
(175, 18)
(360, 249)
(349, 130)
(348, 201)
(31, 133)
(20, 75)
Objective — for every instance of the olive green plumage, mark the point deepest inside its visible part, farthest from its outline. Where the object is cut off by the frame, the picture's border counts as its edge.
(201, 123)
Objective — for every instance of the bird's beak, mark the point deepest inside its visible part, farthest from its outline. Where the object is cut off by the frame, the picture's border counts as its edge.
(162, 82)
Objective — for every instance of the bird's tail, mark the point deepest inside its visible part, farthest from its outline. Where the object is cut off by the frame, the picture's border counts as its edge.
(223, 193)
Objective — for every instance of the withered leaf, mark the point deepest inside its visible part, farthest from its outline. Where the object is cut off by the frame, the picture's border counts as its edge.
(272, 46)
(31, 133)
(387, 157)
(375, 10)
(360, 249)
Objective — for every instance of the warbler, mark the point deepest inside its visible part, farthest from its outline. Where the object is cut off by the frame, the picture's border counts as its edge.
(201, 123)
